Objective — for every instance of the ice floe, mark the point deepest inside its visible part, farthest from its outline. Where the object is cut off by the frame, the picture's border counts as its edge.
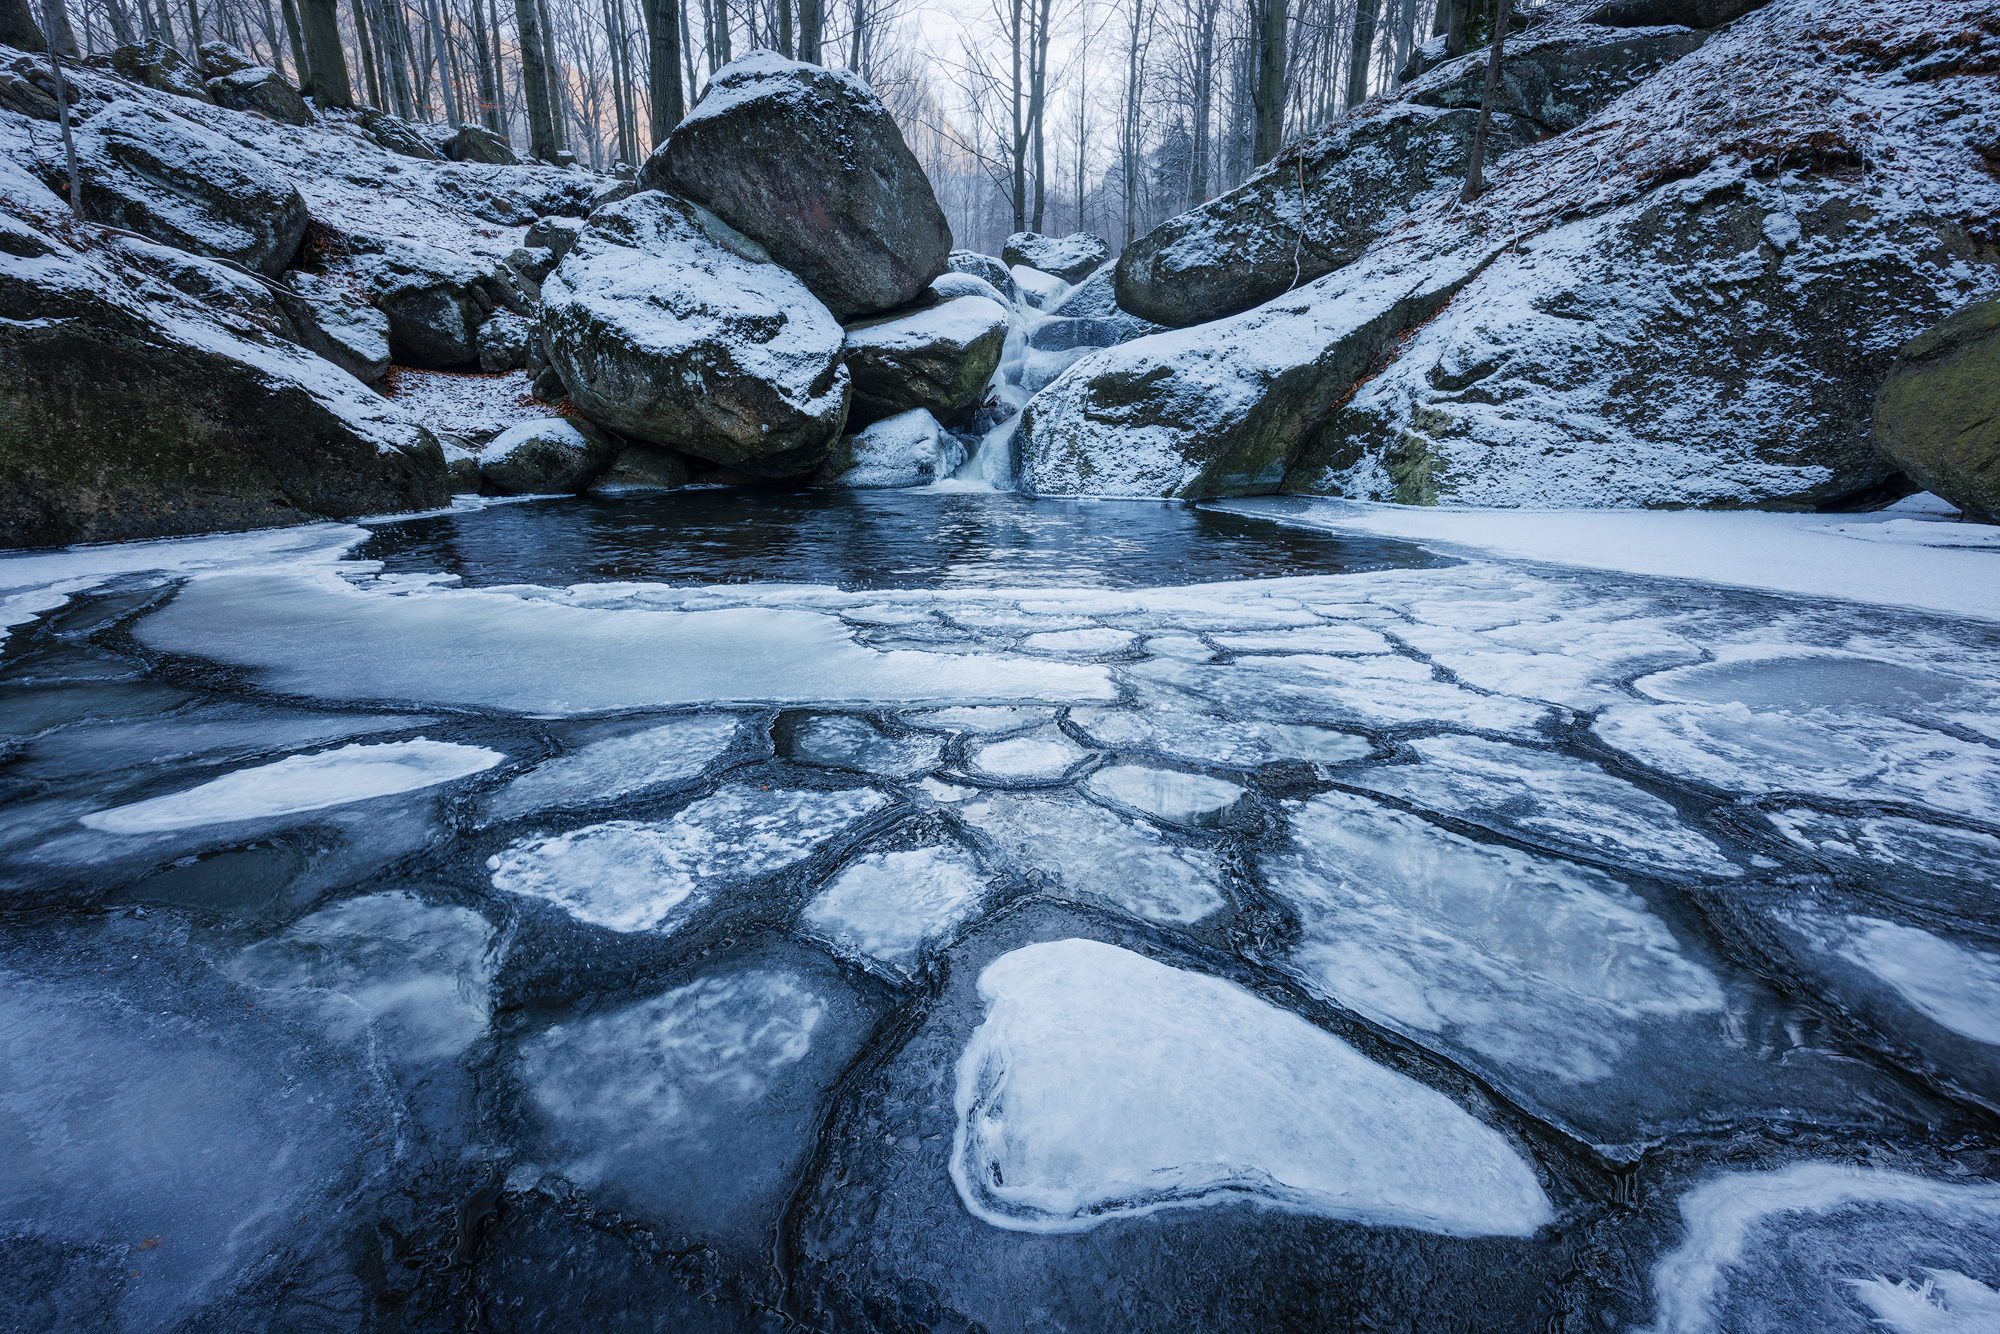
(1167, 794)
(890, 905)
(1097, 853)
(299, 783)
(618, 766)
(1383, 691)
(1102, 1084)
(1225, 741)
(1089, 643)
(1043, 755)
(848, 742)
(989, 721)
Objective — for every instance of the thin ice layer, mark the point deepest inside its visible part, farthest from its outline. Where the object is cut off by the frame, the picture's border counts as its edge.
(889, 905)
(630, 876)
(846, 742)
(1203, 737)
(1375, 692)
(1101, 854)
(1795, 1250)
(618, 766)
(1948, 983)
(298, 783)
(1166, 794)
(1539, 965)
(1103, 1084)
(1047, 754)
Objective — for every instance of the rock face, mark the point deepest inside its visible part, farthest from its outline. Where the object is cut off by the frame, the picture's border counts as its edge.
(554, 234)
(398, 136)
(1557, 85)
(669, 327)
(982, 266)
(118, 423)
(1071, 258)
(261, 90)
(906, 450)
(808, 163)
(158, 65)
(547, 457)
(1938, 415)
(1245, 247)
(436, 301)
(476, 143)
(938, 359)
(1687, 13)
(166, 178)
(352, 336)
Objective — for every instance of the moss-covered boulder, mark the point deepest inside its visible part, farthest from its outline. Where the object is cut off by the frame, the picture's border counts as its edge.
(1938, 414)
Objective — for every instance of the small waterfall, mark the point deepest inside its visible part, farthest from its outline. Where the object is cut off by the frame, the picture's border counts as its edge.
(991, 464)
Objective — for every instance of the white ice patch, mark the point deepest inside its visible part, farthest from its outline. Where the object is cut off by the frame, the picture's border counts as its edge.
(1535, 963)
(605, 770)
(1105, 1085)
(1551, 799)
(1379, 691)
(630, 876)
(302, 783)
(417, 973)
(985, 721)
(855, 743)
(1946, 1302)
(1759, 1242)
(1167, 794)
(1201, 737)
(1954, 986)
(1803, 681)
(1090, 642)
(1098, 853)
(1312, 639)
(889, 905)
(1047, 754)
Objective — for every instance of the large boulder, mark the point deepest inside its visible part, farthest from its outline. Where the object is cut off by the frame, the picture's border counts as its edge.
(669, 327)
(436, 300)
(215, 59)
(554, 234)
(167, 178)
(503, 342)
(1071, 258)
(396, 135)
(553, 456)
(261, 90)
(982, 266)
(906, 450)
(351, 334)
(1938, 414)
(476, 143)
(640, 468)
(1686, 13)
(808, 163)
(938, 359)
(159, 66)
(1560, 83)
(128, 410)
(1245, 247)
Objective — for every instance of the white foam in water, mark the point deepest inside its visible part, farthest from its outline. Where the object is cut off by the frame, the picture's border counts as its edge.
(855, 743)
(418, 973)
(1102, 1084)
(1195, 736)
(1046, 754)
(630, 876)
(1535, 963)
(1549, 797)
(1099, 853)
(1166, 794)
(618, 766)
(888, 905)
(1752, 1230)
(302, 783)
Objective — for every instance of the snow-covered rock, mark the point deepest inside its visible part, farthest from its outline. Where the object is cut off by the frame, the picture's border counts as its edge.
(1938, 414)
(556, 234)
(156, 64)
(396, 135)
(170, 179)
(353, 336)
(809, 163)
(476, 143)
(1656, 13)
(262, 90)
(436, 300)
(668, 326)
(1257, 242)
(503, 342)
(1558, 83)
(938, 359)
(975, 265)
(909, 449)
(1071, 258)
(546, 457)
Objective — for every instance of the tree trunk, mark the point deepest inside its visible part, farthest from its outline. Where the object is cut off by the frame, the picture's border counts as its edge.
(1017, 89)
(534, 81)
(1363, 50)
(722, 56)
(552, 73)
(1038, 92)
(690, 89)
(1454, 28)
(489, 89)
(292, 34)
(121, 22)
(54, 21)
(324, 57)
(663, 66)
(442, 62)
(501, 123)
(1476, 160)
(785, 28)
(368, 75)
(194, 27)
(809, 26)
(1268, 93)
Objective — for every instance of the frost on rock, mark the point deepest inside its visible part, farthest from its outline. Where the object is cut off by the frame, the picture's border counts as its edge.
(670, 328)
(890, 906)
(416, 973)
(1102, 1085)
(354, 772)
(1553, 800)
(618, 766)
(847, 742)
(1542, 967)
(630, 876)
(1167, 794)
(1095, 853)
(1829, 1247)
(1214, 740)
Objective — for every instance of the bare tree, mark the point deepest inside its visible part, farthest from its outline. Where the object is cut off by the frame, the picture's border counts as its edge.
(535, 84)
(1140, 19)
(1362, 50)
(1476, 160)
(663, 28)
(326, 62)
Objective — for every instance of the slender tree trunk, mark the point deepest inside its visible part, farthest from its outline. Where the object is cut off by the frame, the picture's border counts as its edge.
(368, 74)
(489, 91)
(53, 21)
(1476, 160)
(1454, 28)
(270, 37)
(293, 35)
(194, 27)
(1363, 50)
(438, 58)
(692, 88)
(722, 56)
(552, 72)
(1268, 92)
(1204, 99)
(165, 19)
(1020, 140)
(121, 22)
(663, 66)
(1038, 91)
(324, 57)
(809, 26)
(784, 28)
(854, 41)
(501, 123)
(534, 80)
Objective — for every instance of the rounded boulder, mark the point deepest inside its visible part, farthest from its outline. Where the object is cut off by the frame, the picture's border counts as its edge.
(547, 457)
(1937, 415)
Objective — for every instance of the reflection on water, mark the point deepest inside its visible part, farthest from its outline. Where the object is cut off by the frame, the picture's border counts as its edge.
(878, 539)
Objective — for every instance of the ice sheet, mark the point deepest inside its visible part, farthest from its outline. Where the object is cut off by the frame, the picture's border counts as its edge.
(1195, 736)
(855, 743)
(354, 772)
(1167, 794)
(889, 905)
(1103, 1084)
(1100, 854)
(1047, 754)
(1374, 691)
(618, 766)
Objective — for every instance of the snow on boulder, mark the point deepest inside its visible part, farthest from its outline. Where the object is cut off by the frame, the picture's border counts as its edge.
(1104, 1085)
(1222, 409)
(906, 450)
(136, 411)
(546, 457)
(170, 179)
(1071, 258)
(938, 359)
(476, 143)
(503, 342)
(668, 326)
(1938, 415)
(436, 300)
(808, 163)
(157, 65)
(1040, 290)
(1559, 81)
(974, 264)
(1245, 247)
(262, 90)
